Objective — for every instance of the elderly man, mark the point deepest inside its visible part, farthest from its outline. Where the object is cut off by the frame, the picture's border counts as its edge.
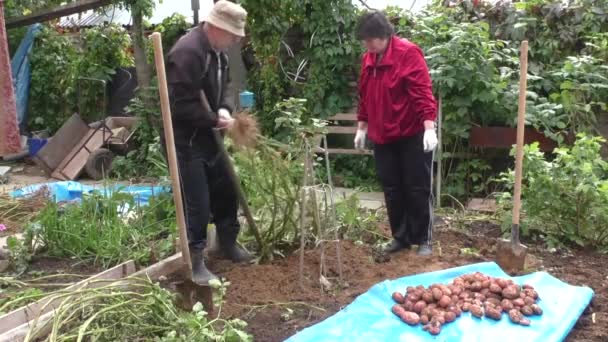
(196, 65)
(397, 112)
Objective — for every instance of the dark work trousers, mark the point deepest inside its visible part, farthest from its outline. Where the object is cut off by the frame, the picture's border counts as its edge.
(404, 170)
(207, 191)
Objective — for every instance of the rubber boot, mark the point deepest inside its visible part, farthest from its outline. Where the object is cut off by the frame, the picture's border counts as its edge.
(395, 246)
(200, 274)
(425, 250)
(235, 253)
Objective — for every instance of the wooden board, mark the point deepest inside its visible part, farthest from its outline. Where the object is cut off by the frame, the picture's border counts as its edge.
(342, 130)
(343, 117)
(56, 12)
(53, 153)
(72, 165)
(23, 315)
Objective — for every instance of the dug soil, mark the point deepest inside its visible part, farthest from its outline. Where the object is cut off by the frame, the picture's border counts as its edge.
(270, 299)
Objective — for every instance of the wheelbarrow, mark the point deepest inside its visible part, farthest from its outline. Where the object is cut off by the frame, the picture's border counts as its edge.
(77, 147)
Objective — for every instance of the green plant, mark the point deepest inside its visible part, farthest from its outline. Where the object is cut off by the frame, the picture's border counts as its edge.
(19, 254)
(303, 49)
(135, 309)
(356, 223)
(53, 65)
(564, 199)
(17, 299)
(104, 49)
(107, 229)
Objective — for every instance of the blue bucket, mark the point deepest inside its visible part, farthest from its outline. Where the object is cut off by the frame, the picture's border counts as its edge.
(35, 144)
(247, 99)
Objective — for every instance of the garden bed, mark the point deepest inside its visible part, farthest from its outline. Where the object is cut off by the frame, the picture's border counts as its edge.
(275, 307)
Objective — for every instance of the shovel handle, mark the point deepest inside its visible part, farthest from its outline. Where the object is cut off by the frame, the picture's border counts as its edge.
(171, 153)
(519, 155)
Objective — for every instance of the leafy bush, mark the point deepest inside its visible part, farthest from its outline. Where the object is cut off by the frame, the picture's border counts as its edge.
(566, 198)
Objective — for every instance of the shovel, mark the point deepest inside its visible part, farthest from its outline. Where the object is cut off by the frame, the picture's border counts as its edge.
(511, 254)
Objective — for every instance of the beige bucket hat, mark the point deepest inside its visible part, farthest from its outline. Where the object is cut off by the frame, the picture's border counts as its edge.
(229, 17)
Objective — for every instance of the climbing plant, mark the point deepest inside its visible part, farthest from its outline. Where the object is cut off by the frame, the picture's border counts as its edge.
(304, 48)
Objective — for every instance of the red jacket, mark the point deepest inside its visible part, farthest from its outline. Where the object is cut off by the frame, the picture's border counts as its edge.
(395, 96)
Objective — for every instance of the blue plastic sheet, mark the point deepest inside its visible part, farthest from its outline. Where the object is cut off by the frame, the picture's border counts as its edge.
(73, 191)
(369, 317)
(20, 71)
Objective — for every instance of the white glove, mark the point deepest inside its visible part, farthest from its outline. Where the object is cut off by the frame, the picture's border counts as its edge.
(429, 141)
(224, 114)
(360, 139)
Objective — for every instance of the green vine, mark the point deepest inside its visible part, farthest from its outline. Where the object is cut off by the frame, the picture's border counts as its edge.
(304, 48)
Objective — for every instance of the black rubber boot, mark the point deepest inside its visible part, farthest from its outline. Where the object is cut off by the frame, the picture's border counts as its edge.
(396, 246)
(200, 274)
(235, 253)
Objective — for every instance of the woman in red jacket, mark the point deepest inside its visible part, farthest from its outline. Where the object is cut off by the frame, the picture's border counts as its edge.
(397, 111)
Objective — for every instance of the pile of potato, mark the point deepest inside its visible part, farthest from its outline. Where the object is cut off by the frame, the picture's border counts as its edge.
(477, 293)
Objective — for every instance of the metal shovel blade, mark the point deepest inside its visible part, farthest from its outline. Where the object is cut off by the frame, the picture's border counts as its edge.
(511, 256)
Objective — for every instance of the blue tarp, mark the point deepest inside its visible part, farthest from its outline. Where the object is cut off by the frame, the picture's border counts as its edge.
(20, 70)
(369, 317)
(73, 191)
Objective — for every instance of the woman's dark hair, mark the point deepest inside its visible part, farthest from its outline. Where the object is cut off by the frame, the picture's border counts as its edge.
(374, 25)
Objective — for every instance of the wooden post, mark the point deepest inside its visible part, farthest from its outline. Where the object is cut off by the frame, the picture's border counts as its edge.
(171, 154)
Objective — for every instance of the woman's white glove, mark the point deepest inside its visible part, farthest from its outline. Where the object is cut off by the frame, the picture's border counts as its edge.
(429, 140)
(225, 120)
(360, 139)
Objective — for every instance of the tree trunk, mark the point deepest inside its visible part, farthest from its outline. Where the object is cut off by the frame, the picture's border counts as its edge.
(142, 67)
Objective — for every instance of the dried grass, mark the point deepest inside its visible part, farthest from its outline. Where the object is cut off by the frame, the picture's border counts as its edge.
(245, 131)
(15, 213)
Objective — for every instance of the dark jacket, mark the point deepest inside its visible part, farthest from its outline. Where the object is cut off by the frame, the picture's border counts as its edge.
(395, 95)
(192, 66)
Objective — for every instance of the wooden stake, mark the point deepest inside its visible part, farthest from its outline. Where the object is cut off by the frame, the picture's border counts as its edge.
(170, 142)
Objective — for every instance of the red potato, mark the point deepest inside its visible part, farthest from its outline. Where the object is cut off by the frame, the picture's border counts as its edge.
(518, 302)
(411, 318)
(445, 290)
(528, 286)
(424, 319)
(466, 307)
(476, 286)
(420, 287)
(408, 305)
(427, 296)
(527, 311)
(476, 311)
(493, 313)
(398, 310)
(432, 306)
(495, 288)
(531, 293)
(506, 305)
(454, 299)
(450, 317)
(413, 297)
(456, 310)
(419, 306)
(524, 321)
(485, 292)
(398, 297)
(485, 284)
(495, 302)
(529, 300)
(510, 292)
(437, 294)
(445, 301)
(537, 310)
(515, 315)
(410, 289)
(457, 290)
(501, 282)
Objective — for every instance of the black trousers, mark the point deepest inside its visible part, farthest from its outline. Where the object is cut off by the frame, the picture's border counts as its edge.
(207, 191)
(404, 170)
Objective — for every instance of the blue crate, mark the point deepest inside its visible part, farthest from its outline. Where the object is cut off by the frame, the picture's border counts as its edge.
(247, 99)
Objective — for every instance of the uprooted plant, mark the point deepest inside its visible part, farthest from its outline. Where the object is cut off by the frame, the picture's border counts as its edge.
(134, 309)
